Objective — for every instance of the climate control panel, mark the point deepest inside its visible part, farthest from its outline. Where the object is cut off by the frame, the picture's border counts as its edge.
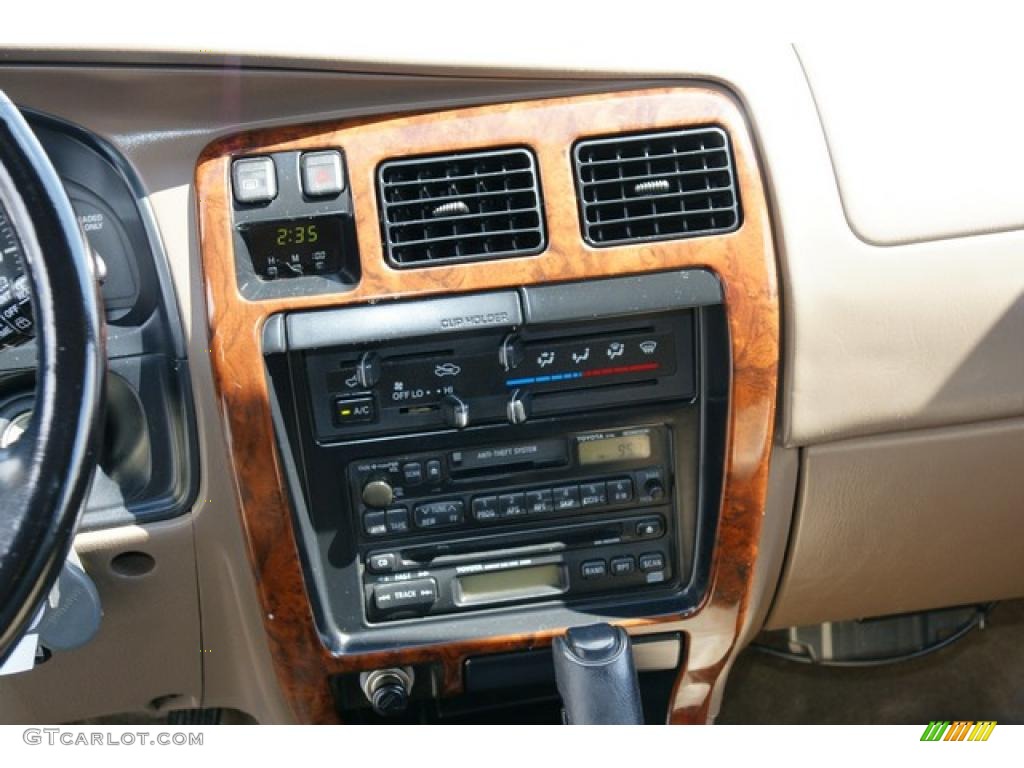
(495, 377)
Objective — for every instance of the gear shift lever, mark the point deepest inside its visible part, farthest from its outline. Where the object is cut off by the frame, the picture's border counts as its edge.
(596, 676)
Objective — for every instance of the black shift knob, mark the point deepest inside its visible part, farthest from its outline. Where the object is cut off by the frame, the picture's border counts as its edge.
(596, 676)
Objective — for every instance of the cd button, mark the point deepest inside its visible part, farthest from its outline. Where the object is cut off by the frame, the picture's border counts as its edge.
(566, 497)
(593, 494)
(382, 562)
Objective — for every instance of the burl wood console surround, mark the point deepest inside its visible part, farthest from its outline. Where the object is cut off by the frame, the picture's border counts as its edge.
(743, 260)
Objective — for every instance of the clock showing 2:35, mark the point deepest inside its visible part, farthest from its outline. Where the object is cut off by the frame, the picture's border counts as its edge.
(297, 235)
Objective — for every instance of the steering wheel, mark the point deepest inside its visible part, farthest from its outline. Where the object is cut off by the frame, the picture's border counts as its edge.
(47, 290)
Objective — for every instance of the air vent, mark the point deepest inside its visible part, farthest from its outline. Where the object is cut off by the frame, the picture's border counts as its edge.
(464, 207)
(656, 186)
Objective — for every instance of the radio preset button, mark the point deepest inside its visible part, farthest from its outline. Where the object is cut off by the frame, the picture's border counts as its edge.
(485, 509)
(375, 523)
(439, 514)
(382, 562)
(594, 569)
(648, 529)
(593, 494)
(622, 566)
(566, 497)
(512, 505)
(620, 491)
(403, 595)
(398, 520)
(652, 561)
(539, 502)
(434, 471)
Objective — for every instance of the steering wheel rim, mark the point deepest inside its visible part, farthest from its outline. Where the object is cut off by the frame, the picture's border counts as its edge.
(45, 475)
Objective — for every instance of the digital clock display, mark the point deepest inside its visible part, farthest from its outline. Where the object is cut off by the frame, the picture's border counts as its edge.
(295, 248)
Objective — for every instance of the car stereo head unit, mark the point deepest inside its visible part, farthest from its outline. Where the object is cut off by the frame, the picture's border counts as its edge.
(570, 515)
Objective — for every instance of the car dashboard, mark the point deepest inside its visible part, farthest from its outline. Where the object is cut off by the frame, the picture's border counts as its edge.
(415, 365)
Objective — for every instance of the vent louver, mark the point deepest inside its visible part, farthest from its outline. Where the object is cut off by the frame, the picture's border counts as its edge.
(656, 186)
(463, 207)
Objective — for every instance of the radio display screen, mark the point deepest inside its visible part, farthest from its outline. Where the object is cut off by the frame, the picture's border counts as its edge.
(618, 448)
(295, 247)
(512, 584)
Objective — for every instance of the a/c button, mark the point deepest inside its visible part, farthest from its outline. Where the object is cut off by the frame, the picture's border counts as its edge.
(354, 410)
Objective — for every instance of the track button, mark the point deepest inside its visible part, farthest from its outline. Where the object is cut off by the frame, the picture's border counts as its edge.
(418, 594)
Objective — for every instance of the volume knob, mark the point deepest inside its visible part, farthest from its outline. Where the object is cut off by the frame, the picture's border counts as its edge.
(378, 493)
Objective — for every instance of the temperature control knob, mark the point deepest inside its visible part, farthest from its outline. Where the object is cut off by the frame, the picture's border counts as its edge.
(518, 407)
(378, 493)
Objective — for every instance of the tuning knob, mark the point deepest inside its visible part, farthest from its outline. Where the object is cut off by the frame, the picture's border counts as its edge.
(518, 407)
(455, 412)
(378, 493)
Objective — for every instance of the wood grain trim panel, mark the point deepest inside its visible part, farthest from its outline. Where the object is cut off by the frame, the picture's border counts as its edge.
(744, 261)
